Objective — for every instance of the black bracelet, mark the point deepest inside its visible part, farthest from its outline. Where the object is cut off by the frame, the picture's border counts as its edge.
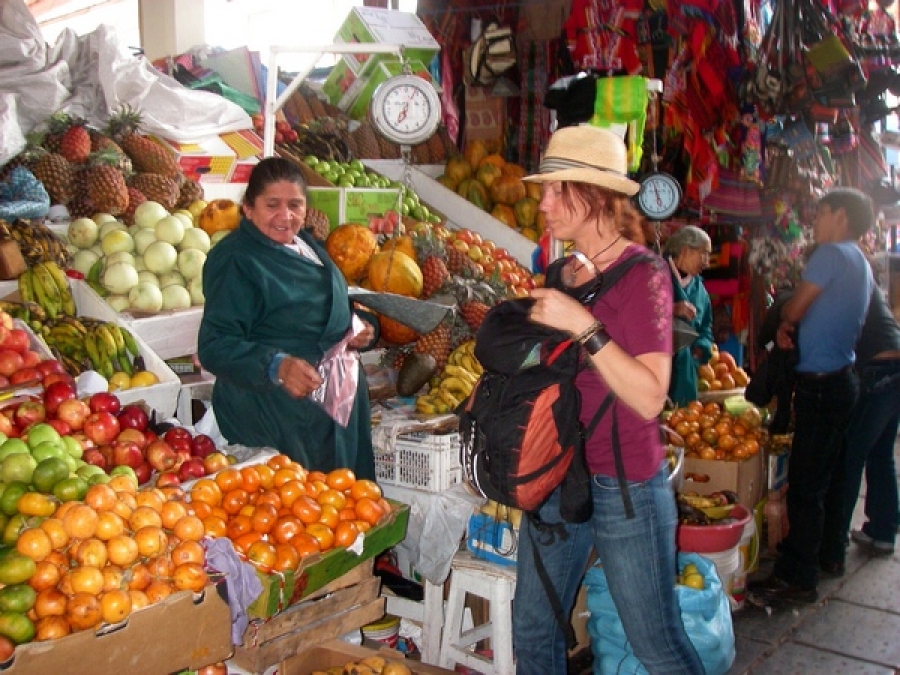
(596, 342)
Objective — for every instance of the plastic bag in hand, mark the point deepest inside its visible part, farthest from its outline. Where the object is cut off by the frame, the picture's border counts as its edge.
(339, 370)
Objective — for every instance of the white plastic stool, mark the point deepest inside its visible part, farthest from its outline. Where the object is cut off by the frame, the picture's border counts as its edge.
(496, 584)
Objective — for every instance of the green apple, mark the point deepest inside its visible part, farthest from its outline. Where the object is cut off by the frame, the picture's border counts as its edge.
(18, 467)
(13, 446)
(73, 447)
(99, 478)
(86, 471)
(48, 449)
(123, 470)
(41, 433)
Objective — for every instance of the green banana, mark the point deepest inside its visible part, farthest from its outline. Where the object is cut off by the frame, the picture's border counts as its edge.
(93, 353)
(122, 355)
(130, 343)
(46, 291)
(67, 301)
(95, 271)
(26, 286)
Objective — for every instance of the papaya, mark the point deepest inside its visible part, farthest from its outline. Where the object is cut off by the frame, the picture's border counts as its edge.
(504, 214)
(457, 169)
(526, 210)
(395, 272)
(474, 192)
(488, 173)
(494, 159)
(507, 190)
(476, 151)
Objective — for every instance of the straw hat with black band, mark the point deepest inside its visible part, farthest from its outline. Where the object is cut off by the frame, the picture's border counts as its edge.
(587, 154)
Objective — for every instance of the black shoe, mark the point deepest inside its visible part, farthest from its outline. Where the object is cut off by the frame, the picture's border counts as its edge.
(775, 589)
(832, 570)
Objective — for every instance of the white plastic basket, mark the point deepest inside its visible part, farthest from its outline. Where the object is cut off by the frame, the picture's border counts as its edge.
(422, 461)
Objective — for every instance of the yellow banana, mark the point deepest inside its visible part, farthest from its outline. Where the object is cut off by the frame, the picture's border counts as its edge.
(461, 373)
(74, 323)
(105, 341)
(424, 406)
(448, 397)
(45, 290)
(117, 336)
(93, 353)
(26, 286)
(67, 302)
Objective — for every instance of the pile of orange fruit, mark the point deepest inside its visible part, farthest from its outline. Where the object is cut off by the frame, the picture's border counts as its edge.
(707, 431)
(118, 550)
(277, 513)
(721, 372)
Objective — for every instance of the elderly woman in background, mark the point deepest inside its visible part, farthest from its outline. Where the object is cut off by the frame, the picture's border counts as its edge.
(687, 252)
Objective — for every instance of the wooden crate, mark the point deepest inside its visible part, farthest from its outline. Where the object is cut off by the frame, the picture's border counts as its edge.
(350, 601)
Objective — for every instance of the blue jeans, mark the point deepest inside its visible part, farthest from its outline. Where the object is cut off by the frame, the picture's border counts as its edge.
(639, 558)
(870, 446)
(815, 496)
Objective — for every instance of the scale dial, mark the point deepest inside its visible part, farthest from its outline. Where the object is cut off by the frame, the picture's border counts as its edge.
(659, 196)
(406, 109)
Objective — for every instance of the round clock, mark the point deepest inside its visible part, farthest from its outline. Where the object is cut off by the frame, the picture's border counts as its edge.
(406, 109)
(659, 196)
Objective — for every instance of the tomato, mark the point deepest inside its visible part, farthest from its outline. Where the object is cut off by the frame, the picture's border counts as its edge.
(17, 598)
(17, 627)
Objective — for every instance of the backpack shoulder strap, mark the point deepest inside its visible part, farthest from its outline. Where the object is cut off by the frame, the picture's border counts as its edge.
(610, 278)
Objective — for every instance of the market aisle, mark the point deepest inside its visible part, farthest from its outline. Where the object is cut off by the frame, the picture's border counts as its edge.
(853, 628)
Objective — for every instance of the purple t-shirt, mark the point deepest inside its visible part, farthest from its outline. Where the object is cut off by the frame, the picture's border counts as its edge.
(637, 313)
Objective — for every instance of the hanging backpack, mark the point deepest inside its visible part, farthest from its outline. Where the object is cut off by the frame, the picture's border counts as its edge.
(520, 432)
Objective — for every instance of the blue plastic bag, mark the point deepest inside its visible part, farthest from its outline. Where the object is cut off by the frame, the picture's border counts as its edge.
(23, 196)
(706, 614)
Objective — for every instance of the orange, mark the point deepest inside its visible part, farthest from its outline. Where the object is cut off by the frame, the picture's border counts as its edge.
(345, 533)
(189, 528)
(279, 462)
(290, 491)
(151, 541)
(282, 476)
(329, 516)
(51, 628)
(365, 488)
(240, 524)
(46, 575)
(109, 525)
(234, 500)
(250, 479)
(159, 589)
(188, 551)
(50, 602)
(348, 513)
(369, 510)
(264, 518)
(243, 542)
(80, 522)
(229, 479)
(34, 543)
(286, 558)
(144, 516)
(190, 577)
(113, 577)
(316, 476)
(172, 512)
(83, 611)
(139, 599)
(86, 579)
(215, 526)
(151, 497)
(270, 497)
(115, 605)
(206, 490)
(55, 529)
(286, 528)
(123, 484)
(262, 554)
(332, 497)
(323, 534)
(340, 479)
(305, 544)
(306, 509)
(140, 577)
(91, 553)
(266, 475)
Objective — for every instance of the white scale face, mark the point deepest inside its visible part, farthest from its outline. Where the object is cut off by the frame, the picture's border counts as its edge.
(406, 109)
(659, 196)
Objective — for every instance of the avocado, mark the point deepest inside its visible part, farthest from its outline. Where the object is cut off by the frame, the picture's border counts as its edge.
(415, 372)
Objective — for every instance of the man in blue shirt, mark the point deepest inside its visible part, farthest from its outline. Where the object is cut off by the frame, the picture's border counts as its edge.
(824, 317)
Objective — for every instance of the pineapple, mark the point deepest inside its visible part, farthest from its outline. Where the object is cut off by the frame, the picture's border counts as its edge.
(55, 172)
(105, 183)
(157, 188)
(147, 155)
(430, 253)
(100, 142)
(473, 313)
(436, 343)
(317, 223)
(190, 192)
(75, 142)
(366, 141)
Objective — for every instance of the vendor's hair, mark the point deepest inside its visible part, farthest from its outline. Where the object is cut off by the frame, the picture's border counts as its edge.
(268, 171)
(601, 202)
(856, 204)
(689, 236)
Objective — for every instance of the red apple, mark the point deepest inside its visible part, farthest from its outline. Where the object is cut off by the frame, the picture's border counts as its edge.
(102, 427)
(31, 358)
(133, 417)
(160, 455)
(86, 443)
(135, 436)
(55, 394)
(215, 462)
(73, 412)
(16, 339)
(168, 479)
(191, 468)
(143, 471)
(10, 362)
(28, 413)
(4, 381)
(150, 435)
(59, 377)
(177, 432)
(104, 402)
(127, 453)
(24, 375)
(61, 427)
(95, 457)
(107, 451)
(6, 426)
(202, 445)
(50, 366)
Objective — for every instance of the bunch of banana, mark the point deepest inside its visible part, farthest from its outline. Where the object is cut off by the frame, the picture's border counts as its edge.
(29, 312)
(325, 138)
(455, 382)
(47, 285)
(37, 242)
(91, 344)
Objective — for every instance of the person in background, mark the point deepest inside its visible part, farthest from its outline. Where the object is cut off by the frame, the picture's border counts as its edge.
(687, 252)
(825, 315)
(872, 431)
(627, 342)
(275, 303)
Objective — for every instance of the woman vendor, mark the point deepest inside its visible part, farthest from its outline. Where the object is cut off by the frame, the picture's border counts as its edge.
(275, 304)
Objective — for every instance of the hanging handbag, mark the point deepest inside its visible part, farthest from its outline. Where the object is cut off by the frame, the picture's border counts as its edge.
(833, 70)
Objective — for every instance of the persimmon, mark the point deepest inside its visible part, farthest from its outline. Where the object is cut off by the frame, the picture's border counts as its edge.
(91, 553)
(173, 511)
(122, 550)
(739, 430)
(109, 525)
(113, 577)
(86, 579)
(707, 453)
(262, 554)
(158, 590)
(55, 529)
(160, 567)
(139, 599)
(151, 497)
(692, 439)
(189, 528)
(323, 534)
(123, 484)
(138, 577)
(190, 577)
(174, 493)
(316, 476)
(363, 488)
(51, 628)
(100, 497)
(740, 451)
(348, 513)
(727, 442)
(50, 602)
(144, 516)
(80, 522)
(151, 541)
(34, 543)
(115, 605)
(46, 575)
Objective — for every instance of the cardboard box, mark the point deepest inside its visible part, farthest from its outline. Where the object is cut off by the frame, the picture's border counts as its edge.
(746, 478)
(362, 90)
(348, 602)
(225, 158)
(338, 653)
(371, 24)
(248, 149)
(353, 205)
(182, 632)
(338, 86)
(282, 590)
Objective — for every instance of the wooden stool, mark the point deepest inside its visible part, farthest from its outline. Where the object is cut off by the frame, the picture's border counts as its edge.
(496, 584)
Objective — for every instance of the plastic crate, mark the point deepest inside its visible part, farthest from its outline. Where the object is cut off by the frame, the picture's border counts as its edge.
(422, 461)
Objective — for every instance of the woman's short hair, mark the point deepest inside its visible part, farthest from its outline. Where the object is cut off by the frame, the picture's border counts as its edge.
(689, 236)
(856, 204)
(271, 170)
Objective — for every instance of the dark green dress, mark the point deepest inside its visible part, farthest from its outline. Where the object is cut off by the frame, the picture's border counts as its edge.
(263, 298)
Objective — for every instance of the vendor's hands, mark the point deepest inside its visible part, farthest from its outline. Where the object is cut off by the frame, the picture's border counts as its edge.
(298, 377)
(558, 310)
(364, 338)
(684, 310)
(784, 338)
